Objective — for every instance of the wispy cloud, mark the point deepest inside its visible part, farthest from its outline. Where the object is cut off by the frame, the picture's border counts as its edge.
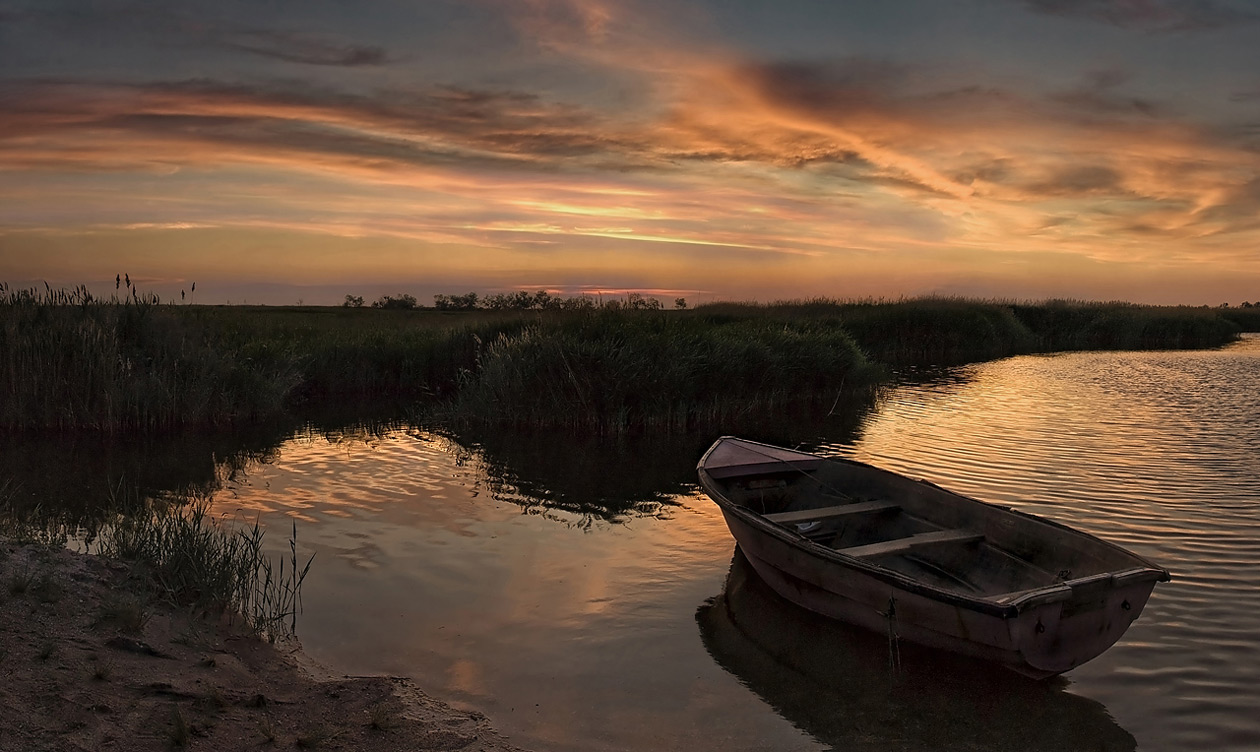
(185, 28)
(302, 48)
(1150, 15)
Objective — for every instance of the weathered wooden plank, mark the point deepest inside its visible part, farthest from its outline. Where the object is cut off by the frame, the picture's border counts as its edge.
(919, 540)
(827, 513)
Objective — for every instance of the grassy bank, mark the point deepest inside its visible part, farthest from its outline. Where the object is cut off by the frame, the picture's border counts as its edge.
(1247, 319)
(70, 363)
(182, 556)
(948, 331)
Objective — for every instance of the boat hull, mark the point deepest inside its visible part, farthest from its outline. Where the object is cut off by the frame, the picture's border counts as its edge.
(1060, 644)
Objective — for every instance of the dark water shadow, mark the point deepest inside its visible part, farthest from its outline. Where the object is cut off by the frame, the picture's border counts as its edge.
(621, 477)
(575, 479)
(836, 683)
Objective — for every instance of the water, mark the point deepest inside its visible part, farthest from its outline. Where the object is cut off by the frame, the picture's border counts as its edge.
(586, 596)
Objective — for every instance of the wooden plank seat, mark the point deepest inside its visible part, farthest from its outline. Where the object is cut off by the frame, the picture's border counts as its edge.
(827, 513)
(913, 542)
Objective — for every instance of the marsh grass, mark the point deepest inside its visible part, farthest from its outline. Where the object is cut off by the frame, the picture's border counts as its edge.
(1075, 325)
(1247, 319)
(70, 362)
(617, 371)
(195, 560)
(936, 331)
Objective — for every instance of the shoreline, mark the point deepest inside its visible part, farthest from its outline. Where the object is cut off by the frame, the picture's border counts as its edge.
(89, 664)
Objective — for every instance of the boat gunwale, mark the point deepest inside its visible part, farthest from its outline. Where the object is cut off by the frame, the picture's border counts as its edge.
(1004, 605)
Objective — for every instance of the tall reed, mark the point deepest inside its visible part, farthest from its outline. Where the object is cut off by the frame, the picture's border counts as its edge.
(71, 362)
(614, 371)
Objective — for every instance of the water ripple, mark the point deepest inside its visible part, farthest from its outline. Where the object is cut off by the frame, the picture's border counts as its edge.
(1155, 451)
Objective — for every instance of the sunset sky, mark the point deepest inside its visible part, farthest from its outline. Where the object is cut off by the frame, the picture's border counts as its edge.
(276, 151)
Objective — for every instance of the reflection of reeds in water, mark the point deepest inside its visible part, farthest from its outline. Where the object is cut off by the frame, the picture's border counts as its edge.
(838, 683)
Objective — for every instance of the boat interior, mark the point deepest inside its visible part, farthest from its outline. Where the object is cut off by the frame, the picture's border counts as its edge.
(923, 531)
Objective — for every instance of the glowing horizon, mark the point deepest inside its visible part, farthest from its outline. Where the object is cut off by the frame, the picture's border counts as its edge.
(1018, 149)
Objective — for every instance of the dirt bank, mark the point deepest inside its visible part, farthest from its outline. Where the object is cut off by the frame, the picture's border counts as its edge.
(87, 664)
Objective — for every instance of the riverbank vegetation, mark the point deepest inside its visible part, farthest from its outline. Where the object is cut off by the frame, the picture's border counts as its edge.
(70, 362)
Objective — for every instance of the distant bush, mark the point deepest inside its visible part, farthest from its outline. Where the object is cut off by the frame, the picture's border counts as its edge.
(401, 302)
(465, 302)
(353, 301)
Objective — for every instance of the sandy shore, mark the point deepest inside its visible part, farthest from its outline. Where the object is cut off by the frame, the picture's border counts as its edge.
(86, 665)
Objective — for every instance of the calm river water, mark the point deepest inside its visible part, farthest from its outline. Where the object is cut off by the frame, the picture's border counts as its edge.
(587, 597)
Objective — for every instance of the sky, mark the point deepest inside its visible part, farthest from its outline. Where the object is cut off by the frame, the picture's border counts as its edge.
(277, 152)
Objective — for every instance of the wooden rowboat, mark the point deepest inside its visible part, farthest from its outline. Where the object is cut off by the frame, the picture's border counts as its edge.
(892, 554)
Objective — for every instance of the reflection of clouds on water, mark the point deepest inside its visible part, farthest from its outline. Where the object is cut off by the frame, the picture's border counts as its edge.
(836, 683)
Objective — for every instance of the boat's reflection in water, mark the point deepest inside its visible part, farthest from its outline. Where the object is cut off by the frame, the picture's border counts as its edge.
(839, 684)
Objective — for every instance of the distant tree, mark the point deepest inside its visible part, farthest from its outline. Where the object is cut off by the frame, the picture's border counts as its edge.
(465, 302)
(353, 301)
(637, 302)
(1249, 305)
(402, 301)
(680, 303)
(497, 302)
(578, 303)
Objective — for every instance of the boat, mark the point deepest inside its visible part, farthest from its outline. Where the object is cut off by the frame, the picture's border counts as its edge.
(901, 556)
(806, 667)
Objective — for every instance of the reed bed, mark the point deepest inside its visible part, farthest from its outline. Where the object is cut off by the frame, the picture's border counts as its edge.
(616, 371)
(70, 363)
(1247, 319)
(1072, 325)
(947, 331)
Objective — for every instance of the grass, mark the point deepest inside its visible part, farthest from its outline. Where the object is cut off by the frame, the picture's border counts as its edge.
(195, 560)
(128, 612)
(267, 730)
(948, 331)
(179, 733)
(312, 737)
(610, 372)
(101, 670)
(70, 362)
(381, 717)
(131, 365)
